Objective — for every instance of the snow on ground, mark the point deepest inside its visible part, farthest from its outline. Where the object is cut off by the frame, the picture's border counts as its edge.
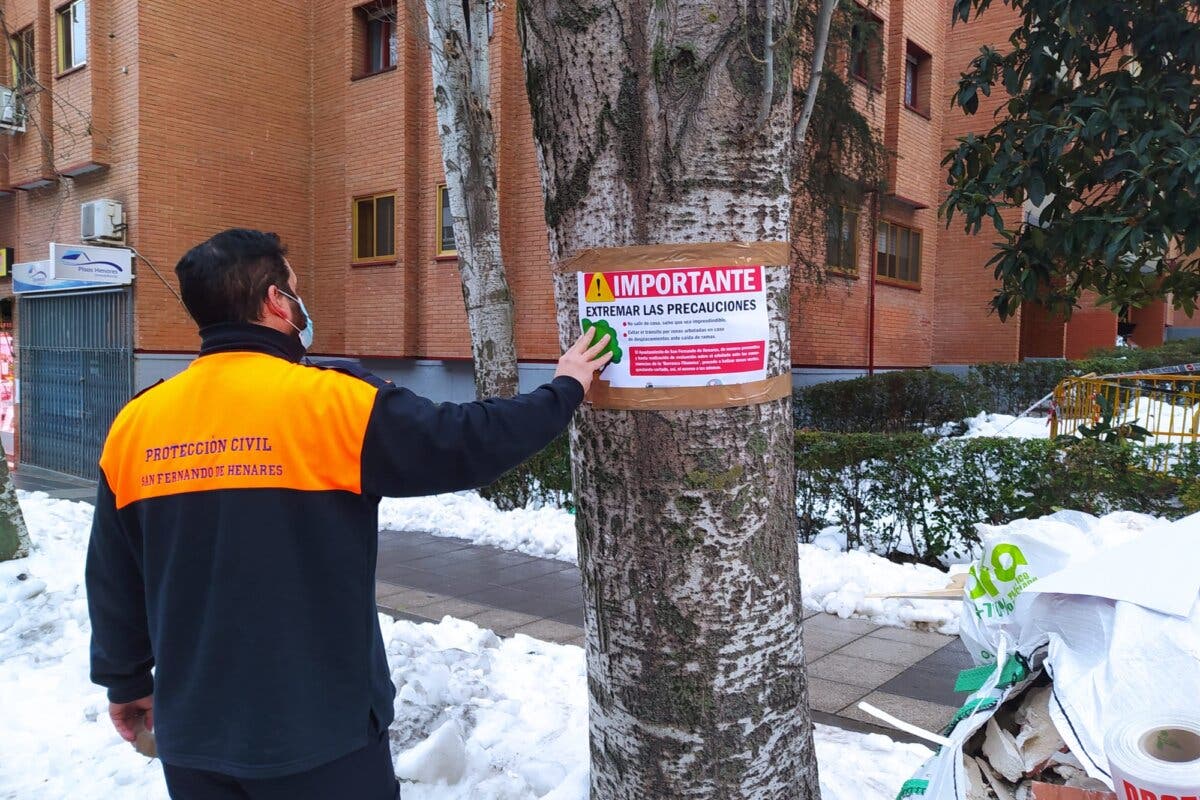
(476, 716)
(1007, 427)
(834, 582)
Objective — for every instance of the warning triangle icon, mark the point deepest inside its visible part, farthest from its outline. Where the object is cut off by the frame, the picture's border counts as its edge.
(598, 290)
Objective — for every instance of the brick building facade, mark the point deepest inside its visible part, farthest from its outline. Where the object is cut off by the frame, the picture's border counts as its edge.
(303, 117)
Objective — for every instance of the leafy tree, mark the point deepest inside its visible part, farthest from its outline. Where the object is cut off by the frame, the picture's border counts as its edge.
(1098, 140)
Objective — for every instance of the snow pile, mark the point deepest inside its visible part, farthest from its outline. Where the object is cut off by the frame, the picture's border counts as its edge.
(838, 583)
(543, 532)
(476, 716)
(1007, 427)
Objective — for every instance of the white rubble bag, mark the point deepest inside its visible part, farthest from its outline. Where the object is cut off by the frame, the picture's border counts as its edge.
(1109, 611)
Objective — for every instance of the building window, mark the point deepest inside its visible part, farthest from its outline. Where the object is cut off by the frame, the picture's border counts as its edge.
(866, 49)
(445, 224)
(899, 253)
(72, 35)
(375, 31)
(374, 226)
(841, 240)
(24, 71)
(917, 81)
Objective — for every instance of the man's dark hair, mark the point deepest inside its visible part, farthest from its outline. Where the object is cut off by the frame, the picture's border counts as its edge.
(226, 278)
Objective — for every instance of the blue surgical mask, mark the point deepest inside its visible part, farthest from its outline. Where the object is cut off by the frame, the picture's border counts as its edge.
(306, 333)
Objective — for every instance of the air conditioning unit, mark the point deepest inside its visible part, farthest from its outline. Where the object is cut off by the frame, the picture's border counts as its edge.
(101, 221)
(12, 111)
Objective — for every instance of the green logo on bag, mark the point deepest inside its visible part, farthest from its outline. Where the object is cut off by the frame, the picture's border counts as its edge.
(1007, 559)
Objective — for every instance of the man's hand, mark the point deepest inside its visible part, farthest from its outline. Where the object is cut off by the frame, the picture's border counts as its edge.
(126, 717)
(584, 359)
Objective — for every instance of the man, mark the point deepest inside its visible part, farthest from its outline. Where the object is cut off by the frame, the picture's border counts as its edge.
(235, 537)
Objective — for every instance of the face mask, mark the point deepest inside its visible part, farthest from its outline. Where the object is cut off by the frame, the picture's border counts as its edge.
(306, 333)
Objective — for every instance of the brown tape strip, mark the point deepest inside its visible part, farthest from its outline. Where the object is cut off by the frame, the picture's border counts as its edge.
(603, 395)
(684, 254)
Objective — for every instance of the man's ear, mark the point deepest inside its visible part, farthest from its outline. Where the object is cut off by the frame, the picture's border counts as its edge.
(275, 305)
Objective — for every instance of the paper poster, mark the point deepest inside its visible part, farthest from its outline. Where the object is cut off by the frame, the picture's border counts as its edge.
(703, 326)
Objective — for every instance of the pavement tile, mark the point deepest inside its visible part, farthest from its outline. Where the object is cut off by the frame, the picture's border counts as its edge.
(550, 631)
(383, 589)
(826, 640)
(419, 579)
(501, 620)
(930, 716)
(407, 598)
(559, 584)
(571, 616)
(953, 656)
(452, 607)
(516, 600)
(854, 671)
(835, 623)
(533, 568)
(887, 650)
(934, 685)
(909, 636)
(831, 697)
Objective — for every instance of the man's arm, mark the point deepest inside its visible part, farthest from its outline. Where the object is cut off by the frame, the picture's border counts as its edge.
(121, 653)
(416, 447)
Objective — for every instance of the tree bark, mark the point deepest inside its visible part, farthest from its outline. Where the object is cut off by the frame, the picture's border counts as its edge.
(458, 33)
(14, 536)
(645, 117)
(824, 19)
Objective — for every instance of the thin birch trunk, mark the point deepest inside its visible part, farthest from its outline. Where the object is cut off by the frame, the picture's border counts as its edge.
(458, 32)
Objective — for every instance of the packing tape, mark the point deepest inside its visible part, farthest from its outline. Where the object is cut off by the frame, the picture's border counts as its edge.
(666, 398)
(1155, 756)
(682, 255)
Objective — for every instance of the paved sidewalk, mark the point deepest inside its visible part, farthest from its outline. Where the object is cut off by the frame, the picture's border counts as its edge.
(55, 484)
(424, 578)
(909, 674)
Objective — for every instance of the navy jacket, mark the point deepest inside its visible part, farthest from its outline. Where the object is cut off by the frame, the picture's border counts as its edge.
(231, 568)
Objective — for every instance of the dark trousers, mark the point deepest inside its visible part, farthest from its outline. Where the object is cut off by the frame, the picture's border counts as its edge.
(365, 774)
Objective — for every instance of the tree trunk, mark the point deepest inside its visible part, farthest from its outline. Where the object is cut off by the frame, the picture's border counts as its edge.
(824, 19)
(14, 536)
(645, 116)
(458, 33)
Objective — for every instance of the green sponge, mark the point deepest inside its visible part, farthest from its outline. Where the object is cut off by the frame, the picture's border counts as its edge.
(603, 327)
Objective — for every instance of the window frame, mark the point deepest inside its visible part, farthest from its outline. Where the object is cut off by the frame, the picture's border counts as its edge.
(922, 63)
(376, 257)
(16, 47)
(866, 65)
(439, 250)
(365, 16)
(64, 32)
(839, 268)
(916, 240)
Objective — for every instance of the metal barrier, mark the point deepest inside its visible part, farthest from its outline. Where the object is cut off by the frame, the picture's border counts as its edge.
(1168, 406)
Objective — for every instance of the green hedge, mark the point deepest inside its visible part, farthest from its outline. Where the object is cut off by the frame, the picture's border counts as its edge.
(909, 493)
(544, 479)
(913, 400)
(913, 494)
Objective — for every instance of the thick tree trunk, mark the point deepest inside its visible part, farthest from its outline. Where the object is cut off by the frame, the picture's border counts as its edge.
(645, 115)
(14, 536)
(461, 93)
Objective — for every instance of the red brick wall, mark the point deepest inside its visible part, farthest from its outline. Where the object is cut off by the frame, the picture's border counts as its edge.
(965, 330)
(1043, 335)
(225, 130)
(1151, 324)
